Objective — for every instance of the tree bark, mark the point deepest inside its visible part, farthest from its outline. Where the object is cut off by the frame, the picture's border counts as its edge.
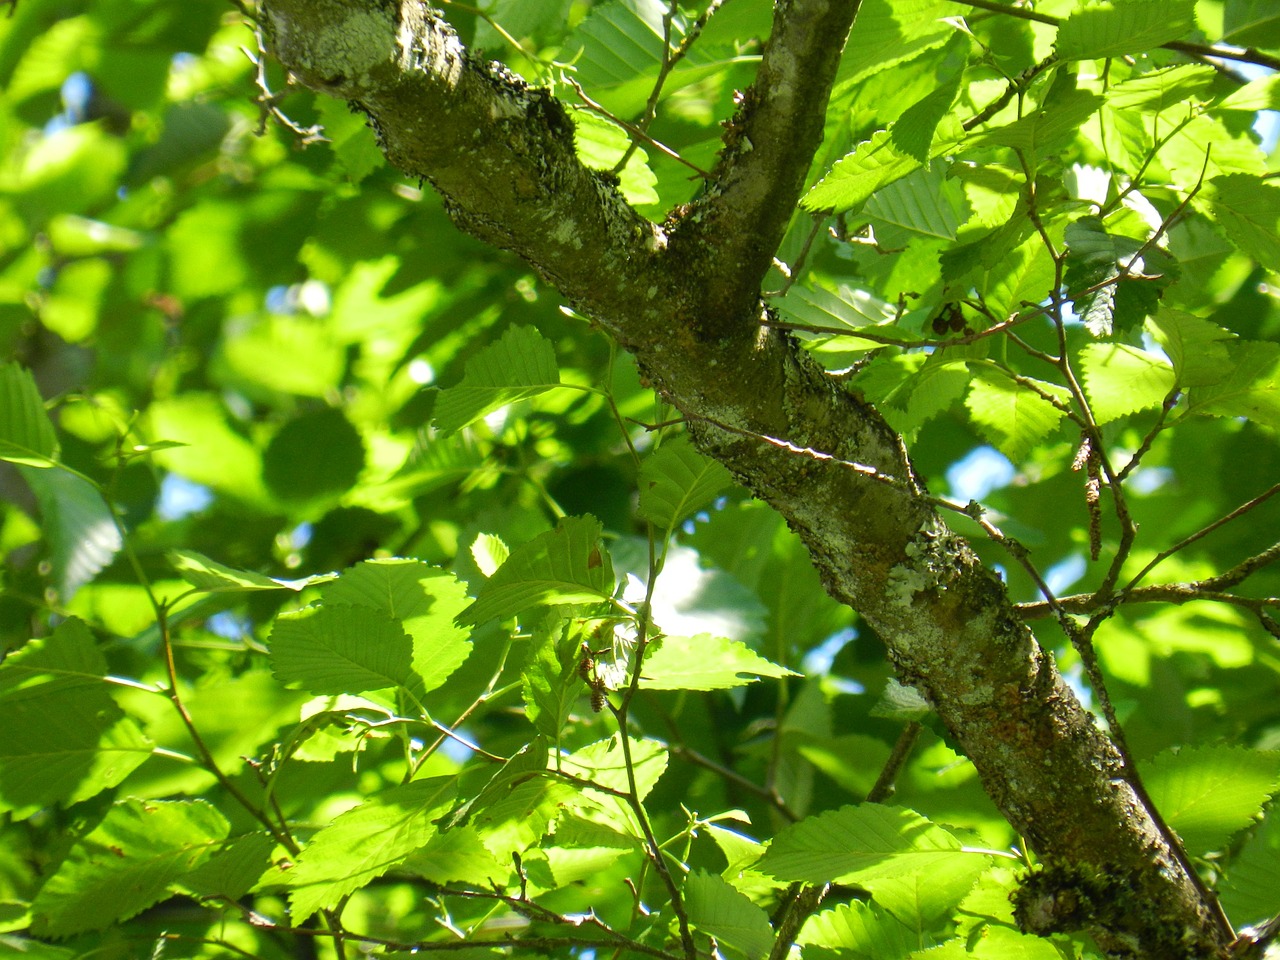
(684, 297)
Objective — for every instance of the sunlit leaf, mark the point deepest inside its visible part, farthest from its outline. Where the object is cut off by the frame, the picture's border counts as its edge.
(857, 844)
(717, 909)
(366, 842)
(1123, 27)
(82, 533)
(566, 565)
(339, 648)
(705, 662)
(1251, 390)
(1012, 416)
(519, 366)
(1249, 211)
(1207, 794)
(675, 481)
(861, 930)
(1120, 380)
(423, 600)
(1196, 346)
(210, 576)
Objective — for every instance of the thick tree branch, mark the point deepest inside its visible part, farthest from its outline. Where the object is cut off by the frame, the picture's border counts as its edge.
(684, 297)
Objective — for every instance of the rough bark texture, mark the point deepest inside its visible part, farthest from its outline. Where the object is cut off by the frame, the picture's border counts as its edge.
(683, 297)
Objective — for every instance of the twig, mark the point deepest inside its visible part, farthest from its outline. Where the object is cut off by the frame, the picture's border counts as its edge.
(770, 796)
(632, 129)
(1164, 555)
(884, 785)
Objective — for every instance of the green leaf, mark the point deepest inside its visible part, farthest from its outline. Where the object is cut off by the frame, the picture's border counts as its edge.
(65, 738)
(354, 146)
(519, 366)
(566, 565)
(923, 203)
(313, 459)
(423, 600)
(676, 481)
(26, 432)
(1248, 209)
(527, 763)
(210, 576)
(127, 863)
(1251, 893)
(887, 32)
(858, 844)
(233, 869)
(705, 662)
(1120, 379)
(856, 177)
(1123, 27)
(366, 842)
(1045, 129)
(1197, 347)
(82, 534)
(489, 552)
(549, 683)
(458, 856)
(845, 307)
(601, 144)
(338, 648)
(1260, 94)
(1161, 89)
(1208, 794)
(1011, 416)
(719, 910)
(860, 930)
(1251, 390)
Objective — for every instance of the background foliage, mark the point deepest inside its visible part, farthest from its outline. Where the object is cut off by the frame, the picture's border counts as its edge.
(332, 542)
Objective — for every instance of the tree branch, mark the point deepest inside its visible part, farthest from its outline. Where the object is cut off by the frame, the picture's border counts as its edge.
(684, 298)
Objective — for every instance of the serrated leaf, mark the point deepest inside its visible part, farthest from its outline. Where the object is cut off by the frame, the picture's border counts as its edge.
(366, 842)
(855, 177)
(1208, 794)
(82, 534)
(676, 481)
(232, 870)
(519, 366)
(566, 565)
(719, 910)
(458, 856)
(127, 863)
(1251, 389)
(602, 763)
(213, 577)
(26, 432)
(856, 844)
(924, 203)
(1120, 379)
(705, 662)
(1046, 128)
(423, 600)
(528, 763)
(914, 131)
(892, 31)
(1005, 943)
(338, 648)
(549, 685)
(1012, 417)
(844, 307)
(1251, 893)
(861, 930)
(1123, 27)
(65, 739)
(1248, 209)
(1196, 346)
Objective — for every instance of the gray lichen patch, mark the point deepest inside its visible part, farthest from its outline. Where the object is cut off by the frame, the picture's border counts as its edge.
(334, 46)
(930, 564)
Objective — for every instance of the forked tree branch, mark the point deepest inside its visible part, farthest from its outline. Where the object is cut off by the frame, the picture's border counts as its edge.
(684, 298)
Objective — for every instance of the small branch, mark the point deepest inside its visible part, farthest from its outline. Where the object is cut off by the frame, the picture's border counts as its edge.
(1235, 514)
(636, 132)
(884, 785)
(770, 796)
(1200, 51)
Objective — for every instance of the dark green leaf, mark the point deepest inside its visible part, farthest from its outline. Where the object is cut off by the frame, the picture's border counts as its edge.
(26, 432)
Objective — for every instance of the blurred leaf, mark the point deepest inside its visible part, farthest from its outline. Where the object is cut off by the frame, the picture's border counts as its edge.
(82, 534)
(1249, 211)
(1252, 389)
(210, 576)
(26, 432)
